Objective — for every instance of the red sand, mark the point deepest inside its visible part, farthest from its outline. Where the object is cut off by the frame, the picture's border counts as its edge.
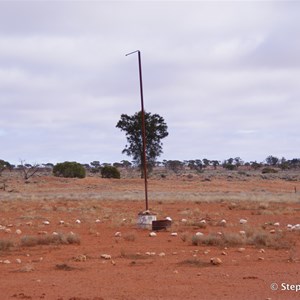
(177, 270)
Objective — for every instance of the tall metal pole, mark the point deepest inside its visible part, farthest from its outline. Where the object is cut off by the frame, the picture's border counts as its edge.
(144, 158)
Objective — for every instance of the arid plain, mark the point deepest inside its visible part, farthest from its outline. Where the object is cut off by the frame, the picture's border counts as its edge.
(234, 235)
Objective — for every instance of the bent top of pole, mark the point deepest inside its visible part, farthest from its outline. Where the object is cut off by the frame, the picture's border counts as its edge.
(132, 52)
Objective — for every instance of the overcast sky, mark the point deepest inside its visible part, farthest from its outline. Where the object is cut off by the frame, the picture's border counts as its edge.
(225, 76)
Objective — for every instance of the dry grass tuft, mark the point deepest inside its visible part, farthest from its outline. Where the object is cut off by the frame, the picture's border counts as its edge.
(133, 256)
(59, 239)
(5, 245)
(185, 236)
(65, 267)
(257, 238)
(196, 263)
(130, 237)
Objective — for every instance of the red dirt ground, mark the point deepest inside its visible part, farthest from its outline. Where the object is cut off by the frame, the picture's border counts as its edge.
(175, 268)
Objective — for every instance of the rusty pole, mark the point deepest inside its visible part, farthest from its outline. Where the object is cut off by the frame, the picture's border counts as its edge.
(144, 158)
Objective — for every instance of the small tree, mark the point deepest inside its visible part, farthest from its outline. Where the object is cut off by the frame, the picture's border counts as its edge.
(69, 170)
(215, 163)
(272, 160)
(228, 164)
(96, 166)
(238, 162)
(255, 165)
(206, 162)
(174, 165)
(156, 130)
(4, 165)
(28, 170)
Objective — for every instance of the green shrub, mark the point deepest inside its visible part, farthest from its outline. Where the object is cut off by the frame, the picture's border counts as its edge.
(69, 170)
(110, 172)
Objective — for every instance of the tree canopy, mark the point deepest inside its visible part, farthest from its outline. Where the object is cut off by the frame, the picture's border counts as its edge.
(156, 129)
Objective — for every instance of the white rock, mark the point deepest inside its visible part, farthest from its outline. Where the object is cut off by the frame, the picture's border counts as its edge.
(78, 221)
(296, 227)
(169, 218)
(46, 223)
(106, 256)
(61, 222)
(174, 234)
(223, 222)
(98, 221)
(152, 234)
(7, 230)
(289, 226)
(202, 222)
(162, 254)
(272, 231)
(243, 221)
(42, 232)
(18, 261)
(216, 261)
(55, 233)
(199, 233)
(241, 249)
(6, 262)
(18, 231)
(276, 224)
(242, 232)
(118, 234)
(183, 220)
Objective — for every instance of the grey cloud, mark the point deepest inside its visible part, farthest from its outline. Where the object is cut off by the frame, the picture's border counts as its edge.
(224, 75)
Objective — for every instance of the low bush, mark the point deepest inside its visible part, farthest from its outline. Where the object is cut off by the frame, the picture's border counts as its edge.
(110, 172)
(268, 170)
(69, 170)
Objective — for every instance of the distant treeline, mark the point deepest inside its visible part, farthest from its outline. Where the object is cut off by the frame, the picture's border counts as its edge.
(173, 165)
